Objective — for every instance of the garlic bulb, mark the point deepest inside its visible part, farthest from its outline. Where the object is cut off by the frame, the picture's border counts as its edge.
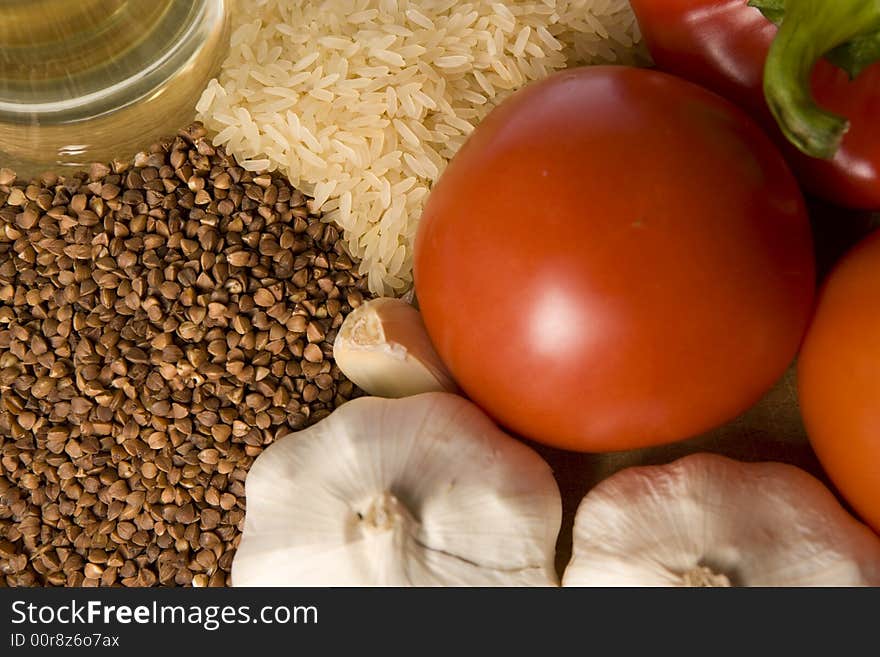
(707, 520)
(383, 347)
(422, 491)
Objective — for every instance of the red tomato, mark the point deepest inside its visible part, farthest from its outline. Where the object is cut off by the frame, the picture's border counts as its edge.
(616, 258)
(839, 379)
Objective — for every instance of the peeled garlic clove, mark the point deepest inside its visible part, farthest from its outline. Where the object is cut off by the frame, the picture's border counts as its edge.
(707, 520)
(422, 491)
(382, 346)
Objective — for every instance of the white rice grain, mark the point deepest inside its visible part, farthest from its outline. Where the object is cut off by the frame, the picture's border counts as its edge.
(255, 165)
(361, 103)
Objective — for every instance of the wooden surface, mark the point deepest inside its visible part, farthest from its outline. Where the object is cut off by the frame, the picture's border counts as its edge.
(772, 430)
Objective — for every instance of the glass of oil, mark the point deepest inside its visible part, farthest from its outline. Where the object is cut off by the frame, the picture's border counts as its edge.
(93, 80)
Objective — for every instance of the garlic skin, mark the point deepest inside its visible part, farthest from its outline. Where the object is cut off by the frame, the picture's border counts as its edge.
(421, 491)
(707, 520)
(384, 349)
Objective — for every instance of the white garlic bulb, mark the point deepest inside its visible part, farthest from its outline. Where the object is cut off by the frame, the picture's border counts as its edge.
(422, 491)
(707, 520)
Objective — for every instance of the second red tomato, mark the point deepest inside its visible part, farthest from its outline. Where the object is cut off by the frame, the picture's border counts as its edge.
(616, 258)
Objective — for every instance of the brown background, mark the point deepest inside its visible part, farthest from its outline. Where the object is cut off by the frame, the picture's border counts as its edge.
(770, 431)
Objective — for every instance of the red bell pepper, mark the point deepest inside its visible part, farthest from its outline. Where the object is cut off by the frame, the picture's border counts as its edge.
(724, 45)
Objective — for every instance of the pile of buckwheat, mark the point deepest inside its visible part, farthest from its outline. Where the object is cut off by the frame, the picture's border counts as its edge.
(161, 322)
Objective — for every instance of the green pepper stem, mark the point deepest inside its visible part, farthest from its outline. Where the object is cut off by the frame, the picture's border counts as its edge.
(809, 30)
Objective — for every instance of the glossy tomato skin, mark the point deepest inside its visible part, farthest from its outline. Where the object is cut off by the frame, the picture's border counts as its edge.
(616, 258)
(839, 379)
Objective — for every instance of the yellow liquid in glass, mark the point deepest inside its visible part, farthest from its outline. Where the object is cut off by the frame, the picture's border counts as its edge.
(93, 80)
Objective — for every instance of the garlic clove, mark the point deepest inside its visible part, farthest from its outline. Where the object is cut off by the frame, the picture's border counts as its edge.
(383, 347)
(707, 520)
(422, 491)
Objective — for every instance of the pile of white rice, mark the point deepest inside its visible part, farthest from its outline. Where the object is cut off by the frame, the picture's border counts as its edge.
(361, 103)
